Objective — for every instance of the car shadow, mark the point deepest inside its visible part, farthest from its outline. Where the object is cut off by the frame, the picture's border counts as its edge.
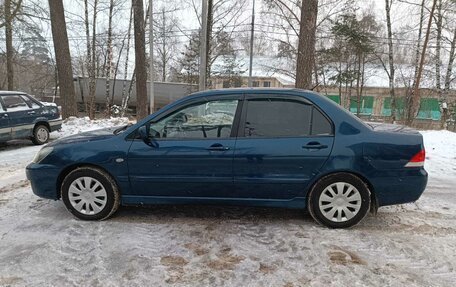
(16, 144)
(167, 213)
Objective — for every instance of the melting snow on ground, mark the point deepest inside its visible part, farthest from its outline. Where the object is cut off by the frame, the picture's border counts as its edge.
(41, 244)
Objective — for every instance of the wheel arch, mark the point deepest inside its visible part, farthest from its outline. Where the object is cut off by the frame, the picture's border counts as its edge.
(374, 201)
(44, 123)
(67, 170)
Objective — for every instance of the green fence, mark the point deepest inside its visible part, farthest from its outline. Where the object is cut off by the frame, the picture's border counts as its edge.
(429, 108)
(335, 98)
(366, 105)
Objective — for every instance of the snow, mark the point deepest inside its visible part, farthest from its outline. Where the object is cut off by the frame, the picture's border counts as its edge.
(406, 245)
(74, 125)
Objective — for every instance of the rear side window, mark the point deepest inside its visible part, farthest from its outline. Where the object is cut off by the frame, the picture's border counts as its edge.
(277, 118)
(14, 103)
(320, 124)
(30, 102)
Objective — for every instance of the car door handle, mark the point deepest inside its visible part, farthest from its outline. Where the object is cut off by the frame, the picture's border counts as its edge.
(4, 116)
(314, 145)
(217, 147)
(31, 113)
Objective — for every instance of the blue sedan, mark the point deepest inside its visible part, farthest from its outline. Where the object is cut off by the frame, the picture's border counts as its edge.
(263, 147)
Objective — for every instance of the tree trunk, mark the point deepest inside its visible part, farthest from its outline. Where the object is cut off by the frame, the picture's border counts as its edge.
(415, 100)
(124, 86)
(210, 20)
(359, 95)
(63, 58)
(438, 47)
(9, 45)
(449, 72)
(140, 59)
(91, 57)
(390, 60)
(164, 50)
(306, 46)
(109, 60)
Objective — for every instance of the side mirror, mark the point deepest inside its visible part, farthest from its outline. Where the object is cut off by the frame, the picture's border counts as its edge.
(144, 134)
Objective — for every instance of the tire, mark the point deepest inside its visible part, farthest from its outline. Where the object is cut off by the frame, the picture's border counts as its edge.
(40, 135)
(90, 193)
(339, 200)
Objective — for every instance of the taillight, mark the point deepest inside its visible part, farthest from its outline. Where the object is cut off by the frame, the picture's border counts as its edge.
(417, 160)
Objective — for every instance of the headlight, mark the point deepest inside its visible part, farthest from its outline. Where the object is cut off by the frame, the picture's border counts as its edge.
(44, 152)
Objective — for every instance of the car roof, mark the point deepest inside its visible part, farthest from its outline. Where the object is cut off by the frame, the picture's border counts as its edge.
(11, 93)
(247, 92)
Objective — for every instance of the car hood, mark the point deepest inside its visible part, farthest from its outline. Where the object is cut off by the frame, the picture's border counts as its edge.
(89, 136)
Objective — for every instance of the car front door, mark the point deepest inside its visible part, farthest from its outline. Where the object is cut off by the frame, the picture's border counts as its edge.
(282, 142)
(5, 128)
(191, 151)
(21, 115)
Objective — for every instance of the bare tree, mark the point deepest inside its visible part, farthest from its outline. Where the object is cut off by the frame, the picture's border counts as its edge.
(91, 55)
(391, 71)
(448, 79)
(415, 98)
(63, 58)
(125, 96)
(140, 59)
(9, 17)
(165, 43)
(109, 59)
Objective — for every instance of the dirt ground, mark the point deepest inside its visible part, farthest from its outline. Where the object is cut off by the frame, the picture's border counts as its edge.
(41, 244)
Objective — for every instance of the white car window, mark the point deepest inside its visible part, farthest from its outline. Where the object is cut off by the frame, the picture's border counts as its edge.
(14, 103)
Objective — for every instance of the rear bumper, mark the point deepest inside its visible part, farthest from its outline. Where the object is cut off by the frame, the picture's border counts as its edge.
(43, 179)
(401, 188)
(55, 124)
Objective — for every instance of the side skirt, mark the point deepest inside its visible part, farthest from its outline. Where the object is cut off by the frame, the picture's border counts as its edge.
(295, 203)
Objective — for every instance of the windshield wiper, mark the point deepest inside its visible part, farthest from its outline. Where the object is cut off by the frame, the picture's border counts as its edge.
(121, 129)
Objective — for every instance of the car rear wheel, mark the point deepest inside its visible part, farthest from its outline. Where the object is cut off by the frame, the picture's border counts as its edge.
(339, 200)
(90, 194)
(40, 135)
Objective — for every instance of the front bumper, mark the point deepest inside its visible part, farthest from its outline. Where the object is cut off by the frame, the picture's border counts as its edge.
(43, 179)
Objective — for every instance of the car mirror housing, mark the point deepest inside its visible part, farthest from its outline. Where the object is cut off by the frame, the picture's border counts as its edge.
(144, 134)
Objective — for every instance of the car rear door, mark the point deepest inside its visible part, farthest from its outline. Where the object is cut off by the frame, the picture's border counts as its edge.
(191, 154)
(5, 128)
(282, 143)
(21, 115)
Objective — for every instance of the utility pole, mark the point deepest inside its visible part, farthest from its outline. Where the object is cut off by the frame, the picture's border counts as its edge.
(203, 48)
(151, 59)
(251, 44)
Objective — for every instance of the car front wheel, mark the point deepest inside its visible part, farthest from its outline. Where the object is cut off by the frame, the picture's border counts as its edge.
(339, 200)
(90, 193)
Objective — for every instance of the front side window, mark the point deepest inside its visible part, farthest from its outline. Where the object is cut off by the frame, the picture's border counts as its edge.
(277, 118)
(213, 119)
(14, 103)
(1, 108)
